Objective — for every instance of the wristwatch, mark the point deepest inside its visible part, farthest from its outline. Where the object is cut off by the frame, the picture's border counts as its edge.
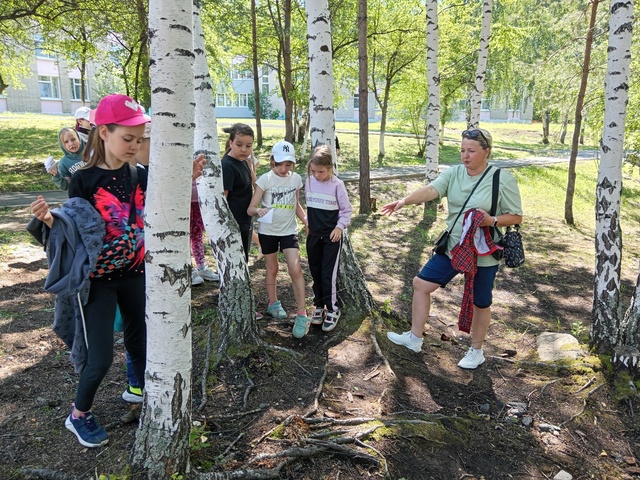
(495, 222)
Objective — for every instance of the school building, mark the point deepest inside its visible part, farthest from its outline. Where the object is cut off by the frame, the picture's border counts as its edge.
(52, 87)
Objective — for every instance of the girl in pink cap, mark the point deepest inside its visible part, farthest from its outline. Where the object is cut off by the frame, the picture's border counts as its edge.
(116, 191)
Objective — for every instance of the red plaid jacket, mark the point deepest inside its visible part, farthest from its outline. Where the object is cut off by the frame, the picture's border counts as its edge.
(464, 258)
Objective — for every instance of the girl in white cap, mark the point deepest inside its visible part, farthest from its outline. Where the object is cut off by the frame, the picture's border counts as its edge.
(278, 192)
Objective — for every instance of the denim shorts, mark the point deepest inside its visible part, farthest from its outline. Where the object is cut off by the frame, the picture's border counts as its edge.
(439, 270)
(270, 243)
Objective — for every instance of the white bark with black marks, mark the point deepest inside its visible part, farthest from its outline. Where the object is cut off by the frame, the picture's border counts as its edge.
(605, 328)
(236, 305)
(322, 126)
(481, 69)
(162, 441)
(432, 142)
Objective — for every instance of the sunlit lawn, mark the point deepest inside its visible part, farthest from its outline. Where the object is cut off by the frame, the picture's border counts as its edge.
(27, 139)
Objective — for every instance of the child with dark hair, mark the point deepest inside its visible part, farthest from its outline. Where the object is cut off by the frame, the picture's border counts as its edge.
(238, 178)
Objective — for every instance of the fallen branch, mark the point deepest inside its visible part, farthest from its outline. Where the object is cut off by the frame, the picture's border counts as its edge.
(46, 474)
(314, 407)
(244, 474)
(584, 405)
(286, 422)
(245, 399)
(379, 352)
(232, 444)
(277, 348)
(548, 384)
(586, 385)
(338, 421)
(205, 372)
(238, 414)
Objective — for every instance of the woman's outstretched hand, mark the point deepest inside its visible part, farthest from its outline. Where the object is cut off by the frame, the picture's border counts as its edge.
(388, 209)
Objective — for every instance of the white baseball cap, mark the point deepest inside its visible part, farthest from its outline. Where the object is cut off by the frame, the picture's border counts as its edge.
(83, 112)
(283, 152)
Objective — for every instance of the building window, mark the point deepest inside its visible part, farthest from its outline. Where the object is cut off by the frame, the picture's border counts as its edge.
(49, 87)
(265, 82)
(76, 89)
(242, 100)
(356, 101)
(486, 104)
(238, 74)
(41, 52)
(220, 100)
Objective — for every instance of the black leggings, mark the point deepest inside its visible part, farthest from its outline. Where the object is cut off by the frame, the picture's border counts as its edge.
(99, 314)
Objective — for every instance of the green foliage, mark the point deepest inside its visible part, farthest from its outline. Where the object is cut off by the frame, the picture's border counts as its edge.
(266, 109)
(198, 437)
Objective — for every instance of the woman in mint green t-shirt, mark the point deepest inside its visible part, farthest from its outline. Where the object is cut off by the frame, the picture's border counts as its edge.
(457, 184)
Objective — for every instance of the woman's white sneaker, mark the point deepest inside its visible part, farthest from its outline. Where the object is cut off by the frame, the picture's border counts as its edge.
(473, 359)
(405, 339)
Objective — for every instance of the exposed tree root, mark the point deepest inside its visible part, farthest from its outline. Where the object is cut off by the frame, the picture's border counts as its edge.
(379, 352)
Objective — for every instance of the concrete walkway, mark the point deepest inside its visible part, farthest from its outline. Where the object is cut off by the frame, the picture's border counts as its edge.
(24, 199)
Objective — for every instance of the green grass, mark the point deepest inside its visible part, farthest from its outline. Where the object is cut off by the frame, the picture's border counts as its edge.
(27, 139)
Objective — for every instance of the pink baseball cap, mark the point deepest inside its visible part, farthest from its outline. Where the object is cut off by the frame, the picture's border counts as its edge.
(120, 110)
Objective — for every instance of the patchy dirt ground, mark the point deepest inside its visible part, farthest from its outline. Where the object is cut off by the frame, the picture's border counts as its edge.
(398, 414)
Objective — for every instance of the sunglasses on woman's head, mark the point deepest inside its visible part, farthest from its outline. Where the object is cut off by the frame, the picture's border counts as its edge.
(474, 134)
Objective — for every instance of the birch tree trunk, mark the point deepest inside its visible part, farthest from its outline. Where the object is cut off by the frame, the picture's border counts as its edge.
(322, 128)
(481, 70)
(571, 175)
(353, 291)
(605, 328)
(162, 441)
(364, 186)
(433, 89)
(236, 304)
(256, 73)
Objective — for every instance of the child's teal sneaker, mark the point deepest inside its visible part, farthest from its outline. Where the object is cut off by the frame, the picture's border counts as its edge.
(301, 327)
(276, 310)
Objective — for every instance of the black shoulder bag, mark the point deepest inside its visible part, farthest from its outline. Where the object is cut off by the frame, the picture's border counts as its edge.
(511, 242)
(440, 245)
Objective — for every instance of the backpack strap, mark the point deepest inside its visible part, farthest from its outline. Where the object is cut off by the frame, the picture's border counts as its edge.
(132, 201)
(494, 201)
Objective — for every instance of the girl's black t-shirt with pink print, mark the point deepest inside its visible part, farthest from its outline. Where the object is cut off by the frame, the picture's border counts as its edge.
(109, 191)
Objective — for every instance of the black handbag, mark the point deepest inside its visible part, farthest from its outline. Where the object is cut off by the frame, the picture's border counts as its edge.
(511, 241)
(440, 245)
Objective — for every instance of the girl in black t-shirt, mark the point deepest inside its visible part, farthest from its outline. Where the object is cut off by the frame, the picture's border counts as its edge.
(116, 190)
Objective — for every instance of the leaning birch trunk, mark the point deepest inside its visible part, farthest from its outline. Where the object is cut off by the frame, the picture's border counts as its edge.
(352, 288)
(162, 441)
(236, 305)
(433, 89)
(481, 70)
(605, 327)
(322, 127)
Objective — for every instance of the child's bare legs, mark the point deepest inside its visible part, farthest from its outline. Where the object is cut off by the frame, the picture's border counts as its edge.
(255, 239)
(292, 257)
(271, 261)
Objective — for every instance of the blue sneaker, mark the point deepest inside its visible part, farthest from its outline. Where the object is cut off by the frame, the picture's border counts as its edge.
(301, 327)
(87, 429)
(276, 310)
